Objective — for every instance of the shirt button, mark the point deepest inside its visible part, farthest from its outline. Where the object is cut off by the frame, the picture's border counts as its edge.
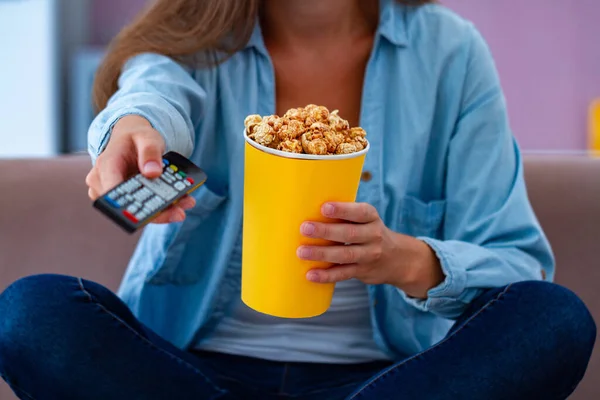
(366, 176)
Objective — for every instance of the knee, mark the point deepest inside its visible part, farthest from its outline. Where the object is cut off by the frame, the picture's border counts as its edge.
(30, 309)
(566, 325)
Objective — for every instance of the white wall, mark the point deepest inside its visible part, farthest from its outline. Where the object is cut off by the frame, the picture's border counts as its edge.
(37, 40)
(28, 78)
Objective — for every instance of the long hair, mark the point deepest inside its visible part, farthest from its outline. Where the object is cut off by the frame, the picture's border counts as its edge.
(181, 29)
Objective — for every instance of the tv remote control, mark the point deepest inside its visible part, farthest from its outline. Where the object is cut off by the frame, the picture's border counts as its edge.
(135, 202)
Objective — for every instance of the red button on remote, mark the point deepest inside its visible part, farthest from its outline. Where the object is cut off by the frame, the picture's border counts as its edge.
(190, 180)
(130, 217)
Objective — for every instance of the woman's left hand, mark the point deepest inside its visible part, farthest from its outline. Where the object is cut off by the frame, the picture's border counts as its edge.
(369, 251)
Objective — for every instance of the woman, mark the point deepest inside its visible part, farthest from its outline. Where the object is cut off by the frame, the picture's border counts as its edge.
(443, 291)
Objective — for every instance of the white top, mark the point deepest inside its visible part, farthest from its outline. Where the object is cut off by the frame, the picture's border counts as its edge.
(342, 335)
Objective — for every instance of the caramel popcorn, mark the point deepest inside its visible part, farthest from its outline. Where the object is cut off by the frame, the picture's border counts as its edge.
(250, 122)
(309, 130)
(338, 123)
(291, 129)
(316, 114)
(265, 134)
(297, 114)
(314, 143)
(291, 146)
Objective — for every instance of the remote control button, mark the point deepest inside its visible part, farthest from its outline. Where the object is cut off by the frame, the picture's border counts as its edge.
(154, 203)
(182, 174)
(170, 178)
(160, 188)
(141, 195)
(178, 177)
(173, 168)
(147, 210)
(112, 195)
(190, 180)
(129, 197)
(187, 183)
(112, 202)
(166, 162)
(122, 201)
(179, 185)
(130, 217)
(132, 208)
(141, 215)
(138, 204)
(120, 190)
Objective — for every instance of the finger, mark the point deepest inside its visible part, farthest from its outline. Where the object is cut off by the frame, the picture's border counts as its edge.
(353, 254)
(92, 194)
(333, 274)
(111, 172)
(170, 215)
(149, 149)
(342, 233)
(93, 182)
(187, 203)
(353, 212)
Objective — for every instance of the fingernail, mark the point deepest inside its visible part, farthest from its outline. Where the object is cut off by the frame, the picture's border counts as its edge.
(328, 210)
(312, 276)
(303, 252)
(308, 228)
(152, 167)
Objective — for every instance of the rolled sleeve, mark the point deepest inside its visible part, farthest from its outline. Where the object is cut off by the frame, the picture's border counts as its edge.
(160, 90)
(491, 237)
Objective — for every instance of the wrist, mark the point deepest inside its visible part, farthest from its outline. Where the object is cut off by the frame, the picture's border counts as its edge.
(420, 269)
(130, 123)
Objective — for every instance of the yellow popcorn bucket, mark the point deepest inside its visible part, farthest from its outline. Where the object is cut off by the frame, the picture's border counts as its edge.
(281, 191)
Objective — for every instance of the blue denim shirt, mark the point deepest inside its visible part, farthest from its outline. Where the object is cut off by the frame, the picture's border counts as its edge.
(445, 169)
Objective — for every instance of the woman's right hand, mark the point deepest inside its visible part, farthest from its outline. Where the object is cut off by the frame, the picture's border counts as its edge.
(133, 146)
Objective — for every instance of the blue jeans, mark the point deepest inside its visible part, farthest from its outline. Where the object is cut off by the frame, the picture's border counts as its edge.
(67, 338)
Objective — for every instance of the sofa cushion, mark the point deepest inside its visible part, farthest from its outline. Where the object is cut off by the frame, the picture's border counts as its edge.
(48, 224)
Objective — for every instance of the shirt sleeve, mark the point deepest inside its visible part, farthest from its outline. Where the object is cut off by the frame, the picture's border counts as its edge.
(160, 90)
(491, 235)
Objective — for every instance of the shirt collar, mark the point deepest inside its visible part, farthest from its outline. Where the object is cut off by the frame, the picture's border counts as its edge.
(392, 26)
(392, 23)
(256, 39)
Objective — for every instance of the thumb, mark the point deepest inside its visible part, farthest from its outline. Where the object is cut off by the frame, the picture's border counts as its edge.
(150, 149)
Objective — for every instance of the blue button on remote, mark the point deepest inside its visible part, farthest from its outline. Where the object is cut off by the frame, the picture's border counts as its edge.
(112, 202)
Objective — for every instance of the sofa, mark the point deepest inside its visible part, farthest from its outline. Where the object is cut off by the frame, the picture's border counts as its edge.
(47, 224)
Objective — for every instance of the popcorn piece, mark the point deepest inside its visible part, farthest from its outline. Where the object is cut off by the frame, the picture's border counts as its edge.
(354, 142)
(274, 121)
(338, 123)
(250, 122)
(358, 134)
(297, 114)
(291, 146)
(265, 135)
(316, 114)
(348, 148)
(291, 129)
(332, 138)
(314, 143)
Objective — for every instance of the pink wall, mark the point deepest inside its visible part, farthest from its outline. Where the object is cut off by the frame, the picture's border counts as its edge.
(547, 52)
(110, 16)
(548, 55)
